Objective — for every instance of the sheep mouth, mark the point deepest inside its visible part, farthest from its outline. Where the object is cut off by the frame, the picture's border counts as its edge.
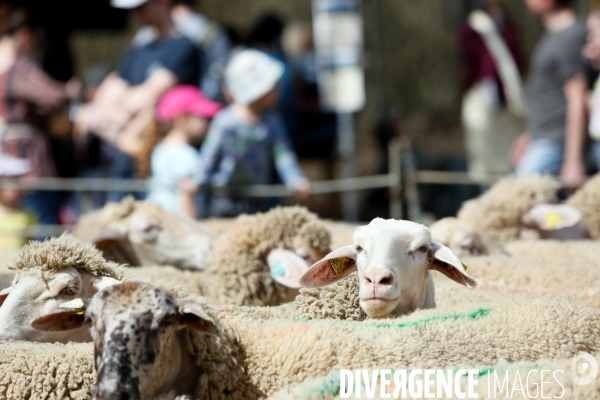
(377, 307)
(378, 301)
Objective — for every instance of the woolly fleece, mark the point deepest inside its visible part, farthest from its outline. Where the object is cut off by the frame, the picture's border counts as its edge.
(255, 357)
(282, 352)
(498, 211)
(63, 252)
(587, 201)
(237, 259)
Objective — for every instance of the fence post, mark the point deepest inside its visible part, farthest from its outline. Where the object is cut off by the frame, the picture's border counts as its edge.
(411, 191)
(395, 171)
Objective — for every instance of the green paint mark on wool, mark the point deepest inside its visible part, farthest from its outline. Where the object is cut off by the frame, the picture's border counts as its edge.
(478, 313)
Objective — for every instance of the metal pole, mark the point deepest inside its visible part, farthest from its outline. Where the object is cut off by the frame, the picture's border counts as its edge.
(345, 144)
(395, 171)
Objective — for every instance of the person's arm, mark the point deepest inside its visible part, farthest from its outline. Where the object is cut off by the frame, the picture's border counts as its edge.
(286, 162)
(148, 94)
(187, 194)
(210, 152)
(573, 170)
(33, 84)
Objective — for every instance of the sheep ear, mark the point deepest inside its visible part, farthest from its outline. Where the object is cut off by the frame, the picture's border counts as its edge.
(192, 315)
(115, 246)
(286, 267)
(60, 321)
(75, 304)
(550, 217)
(335, 266)
(443, 260)
(4, 294)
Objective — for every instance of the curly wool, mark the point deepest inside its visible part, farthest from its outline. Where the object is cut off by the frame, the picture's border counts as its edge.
(283, 352)
(255, 357)
(498, 211)
(237, 259)
(64, 252)
(587, 201)
(337, 301)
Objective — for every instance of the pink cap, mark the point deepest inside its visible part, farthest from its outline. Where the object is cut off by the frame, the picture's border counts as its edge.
(185, 99)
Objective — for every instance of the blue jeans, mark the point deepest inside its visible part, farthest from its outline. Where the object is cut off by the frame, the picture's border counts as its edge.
(596, 150)
(543, 157)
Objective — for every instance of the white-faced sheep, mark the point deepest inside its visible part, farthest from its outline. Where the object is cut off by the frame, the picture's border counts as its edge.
(143, 233)
(256, 261)
(463, 239)
(394, 260)
(48, 274)
(499, 210)
(539, 268)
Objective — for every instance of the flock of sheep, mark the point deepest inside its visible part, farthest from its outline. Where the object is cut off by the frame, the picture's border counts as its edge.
(261, 307)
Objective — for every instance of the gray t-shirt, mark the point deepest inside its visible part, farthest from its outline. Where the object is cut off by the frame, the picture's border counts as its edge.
(556, 59)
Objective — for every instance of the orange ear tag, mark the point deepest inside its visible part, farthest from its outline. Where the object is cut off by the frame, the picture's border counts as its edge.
(337, 264)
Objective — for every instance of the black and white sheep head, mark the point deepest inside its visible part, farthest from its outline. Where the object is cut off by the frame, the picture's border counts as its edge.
(151, 235)
(35, 293)
(135, 329)
(393, 259)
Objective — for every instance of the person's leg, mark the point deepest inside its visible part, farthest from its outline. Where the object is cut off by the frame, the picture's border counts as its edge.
(596, 149)
(543, 157)
(122, 167)
(44, 205)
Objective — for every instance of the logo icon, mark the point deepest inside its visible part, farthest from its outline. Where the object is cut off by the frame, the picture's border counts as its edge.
(584, 368)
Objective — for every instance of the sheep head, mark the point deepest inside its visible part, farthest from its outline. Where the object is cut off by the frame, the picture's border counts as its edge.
(393, 259)
(35, 293)
(147, 235)
(463, 239)
(48, 274)
(137, 349)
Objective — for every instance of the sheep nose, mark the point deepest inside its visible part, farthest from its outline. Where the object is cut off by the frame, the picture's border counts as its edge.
(378, 278)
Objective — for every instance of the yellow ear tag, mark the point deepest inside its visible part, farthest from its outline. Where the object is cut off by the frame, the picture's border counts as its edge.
(337, 264)
(464, 266)
(553, 219)
(79, 312)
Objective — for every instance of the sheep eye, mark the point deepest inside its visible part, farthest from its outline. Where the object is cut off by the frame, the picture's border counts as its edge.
(359, 249)
(423, 249)
(70, 291)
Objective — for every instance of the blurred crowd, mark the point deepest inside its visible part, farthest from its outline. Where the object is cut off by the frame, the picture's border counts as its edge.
(193, 106)
(552, 124)
(190, 106)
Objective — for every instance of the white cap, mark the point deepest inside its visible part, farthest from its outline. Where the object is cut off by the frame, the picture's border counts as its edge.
(251, 74)
(127, 4)
(11, 166)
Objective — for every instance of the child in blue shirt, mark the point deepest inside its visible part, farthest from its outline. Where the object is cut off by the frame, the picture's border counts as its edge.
(248, 137)
(174, 161)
